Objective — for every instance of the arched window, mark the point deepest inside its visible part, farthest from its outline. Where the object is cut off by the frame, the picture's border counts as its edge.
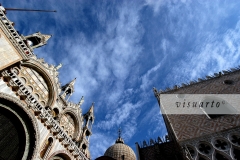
(59, 156)
(46, 148)
(17, 137)
(192, 151)
(55, 112)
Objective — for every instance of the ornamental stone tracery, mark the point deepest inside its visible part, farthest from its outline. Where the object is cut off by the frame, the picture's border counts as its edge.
(45, 117)
(219, 145)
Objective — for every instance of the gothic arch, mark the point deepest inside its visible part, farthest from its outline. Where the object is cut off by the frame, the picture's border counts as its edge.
(192, 151)
(47, 146)
(234, 139)
(220, 155)
(77, 121)
(23, 119)
(62, 153)
(51, 84)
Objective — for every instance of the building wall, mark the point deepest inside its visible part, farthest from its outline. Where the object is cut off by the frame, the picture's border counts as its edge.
(163, 151)
(191, 126)
(199, 136)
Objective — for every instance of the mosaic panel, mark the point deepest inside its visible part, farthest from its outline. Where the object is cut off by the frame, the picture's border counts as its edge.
(68, 123)
(36, 82)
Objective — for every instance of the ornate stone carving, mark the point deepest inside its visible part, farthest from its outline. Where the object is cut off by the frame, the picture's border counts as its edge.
(218, 144)
(44, 116)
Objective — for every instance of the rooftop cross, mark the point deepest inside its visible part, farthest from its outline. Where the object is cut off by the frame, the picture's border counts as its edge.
(119, 133)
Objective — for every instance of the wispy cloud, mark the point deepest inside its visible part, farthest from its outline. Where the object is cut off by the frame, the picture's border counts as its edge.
(155, 4)
(107, 59)
(215, 54)
(99, 144)
(119, 50)
(102, 66)
(202, 43)
(152, 116)
(119, 116)
(147, 78)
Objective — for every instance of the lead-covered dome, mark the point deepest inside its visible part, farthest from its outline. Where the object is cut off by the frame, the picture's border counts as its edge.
(120, 151)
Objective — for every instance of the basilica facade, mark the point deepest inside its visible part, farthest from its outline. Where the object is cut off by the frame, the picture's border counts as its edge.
(37, 121)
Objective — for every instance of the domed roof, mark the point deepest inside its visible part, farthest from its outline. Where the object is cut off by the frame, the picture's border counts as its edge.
(120, 151)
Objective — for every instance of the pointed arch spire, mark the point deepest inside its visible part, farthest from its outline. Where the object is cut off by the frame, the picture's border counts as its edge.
(91, 108)
(69, 85)
(89, 116)
(46, 37)
(68, 89)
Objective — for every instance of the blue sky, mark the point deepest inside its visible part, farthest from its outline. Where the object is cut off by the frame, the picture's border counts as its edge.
(120, 50)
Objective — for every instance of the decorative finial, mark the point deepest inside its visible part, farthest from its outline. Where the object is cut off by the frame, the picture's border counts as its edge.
(155, 90)
(81, 101)
(91, 108)
(72, 82)
(59, 66)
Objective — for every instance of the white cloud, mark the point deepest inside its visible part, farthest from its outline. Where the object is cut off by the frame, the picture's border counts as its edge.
(147, 78)
(99, 144)
(155, 4)
(119, 116)
(107, 60)
(218, 53)
(153, 117)
(201, 46)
